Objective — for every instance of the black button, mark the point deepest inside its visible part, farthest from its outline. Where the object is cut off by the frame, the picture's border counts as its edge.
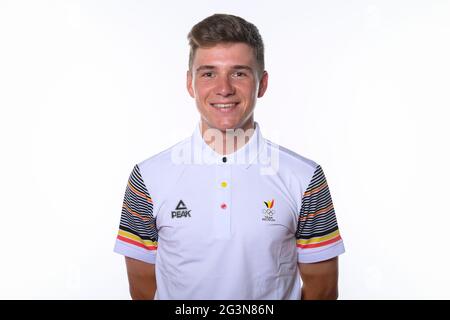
(224, 159)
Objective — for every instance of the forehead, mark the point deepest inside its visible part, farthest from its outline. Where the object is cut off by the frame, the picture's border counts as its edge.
(224, 54)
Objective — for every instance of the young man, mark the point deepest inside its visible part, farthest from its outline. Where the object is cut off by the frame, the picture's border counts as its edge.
(226, 214)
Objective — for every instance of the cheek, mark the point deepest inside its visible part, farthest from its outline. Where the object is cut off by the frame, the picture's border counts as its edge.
(203, 85)
(247, 91)
(202, 91)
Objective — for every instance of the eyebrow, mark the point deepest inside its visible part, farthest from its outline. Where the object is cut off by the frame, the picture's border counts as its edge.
(235, 67)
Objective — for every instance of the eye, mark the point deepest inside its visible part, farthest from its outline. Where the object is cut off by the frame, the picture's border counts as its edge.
(240, 74)
(207, 74)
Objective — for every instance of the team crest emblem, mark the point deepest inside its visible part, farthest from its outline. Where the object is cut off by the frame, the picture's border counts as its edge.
(269, 211)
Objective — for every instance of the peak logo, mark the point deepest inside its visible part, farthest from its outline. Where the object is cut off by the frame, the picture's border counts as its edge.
(268, 212)
(181, 211)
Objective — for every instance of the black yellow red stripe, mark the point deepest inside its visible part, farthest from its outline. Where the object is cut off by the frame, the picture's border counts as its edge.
(137, 224)
(319, 241)
(137, 241)
(317, 224)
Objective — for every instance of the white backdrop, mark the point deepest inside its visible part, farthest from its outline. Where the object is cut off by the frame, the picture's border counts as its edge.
(89, 88)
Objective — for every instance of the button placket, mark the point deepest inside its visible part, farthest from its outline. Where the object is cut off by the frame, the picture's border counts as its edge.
(222, 201)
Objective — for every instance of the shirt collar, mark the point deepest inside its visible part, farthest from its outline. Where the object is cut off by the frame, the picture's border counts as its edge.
(246, 155)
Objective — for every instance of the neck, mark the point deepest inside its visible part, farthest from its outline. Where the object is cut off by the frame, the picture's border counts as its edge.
(229, 140)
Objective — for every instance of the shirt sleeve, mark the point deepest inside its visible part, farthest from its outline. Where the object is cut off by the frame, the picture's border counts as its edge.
(317, 235)
(137, 237)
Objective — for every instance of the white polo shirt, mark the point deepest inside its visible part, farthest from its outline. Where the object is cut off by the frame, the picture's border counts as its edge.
(228, 227)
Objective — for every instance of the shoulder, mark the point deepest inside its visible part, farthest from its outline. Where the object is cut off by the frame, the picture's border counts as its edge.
(291, 160)
(165, 159)
(160, 170)
(291, 165)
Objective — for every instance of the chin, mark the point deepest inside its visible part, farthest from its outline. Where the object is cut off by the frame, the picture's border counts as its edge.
(221, 128)
(223, 125)
(227, 126)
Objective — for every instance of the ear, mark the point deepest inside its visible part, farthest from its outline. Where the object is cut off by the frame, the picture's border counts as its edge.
(189, 83)
(263, 84)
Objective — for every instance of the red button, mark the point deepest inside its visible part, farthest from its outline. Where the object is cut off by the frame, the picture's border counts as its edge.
(223, 205)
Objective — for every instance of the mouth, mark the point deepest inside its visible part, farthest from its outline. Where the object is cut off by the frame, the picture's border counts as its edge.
(224, 106)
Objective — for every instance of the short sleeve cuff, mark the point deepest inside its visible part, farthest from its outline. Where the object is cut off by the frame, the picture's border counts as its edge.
(135, 253)
(320, 254)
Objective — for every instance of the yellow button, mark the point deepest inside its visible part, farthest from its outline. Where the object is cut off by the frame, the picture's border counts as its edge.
(223, 184)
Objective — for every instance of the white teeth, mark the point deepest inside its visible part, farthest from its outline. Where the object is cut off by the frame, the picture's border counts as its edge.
(223, 106)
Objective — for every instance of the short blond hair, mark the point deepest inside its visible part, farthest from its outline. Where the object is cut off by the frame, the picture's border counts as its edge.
(223, 28)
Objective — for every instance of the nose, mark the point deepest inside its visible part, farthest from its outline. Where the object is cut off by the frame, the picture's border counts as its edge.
(224, 86)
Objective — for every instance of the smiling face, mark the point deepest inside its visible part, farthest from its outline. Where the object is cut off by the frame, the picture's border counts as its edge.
(225, 83)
